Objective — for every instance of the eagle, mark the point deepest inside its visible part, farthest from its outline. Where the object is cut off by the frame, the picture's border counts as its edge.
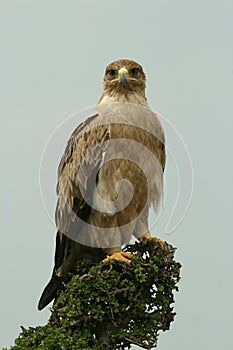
(109, 176)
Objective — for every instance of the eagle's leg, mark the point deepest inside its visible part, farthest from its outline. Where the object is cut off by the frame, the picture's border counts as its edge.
(148, 237)
(118, 255)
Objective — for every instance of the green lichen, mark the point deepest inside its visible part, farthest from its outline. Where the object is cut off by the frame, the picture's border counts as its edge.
(111, 305)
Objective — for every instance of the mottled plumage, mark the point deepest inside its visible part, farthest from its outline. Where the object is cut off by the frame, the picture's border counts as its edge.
(96, 211)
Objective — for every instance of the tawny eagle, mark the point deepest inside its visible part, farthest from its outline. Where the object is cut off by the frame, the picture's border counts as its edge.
(110, 174)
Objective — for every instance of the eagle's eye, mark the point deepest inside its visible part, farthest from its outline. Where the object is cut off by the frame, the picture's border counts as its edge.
(134, 72)
(111, 73)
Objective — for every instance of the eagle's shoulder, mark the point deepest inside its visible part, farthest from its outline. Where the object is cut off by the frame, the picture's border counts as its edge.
(72, 141)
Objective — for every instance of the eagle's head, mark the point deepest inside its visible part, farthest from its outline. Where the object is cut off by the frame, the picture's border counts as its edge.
(124, 81)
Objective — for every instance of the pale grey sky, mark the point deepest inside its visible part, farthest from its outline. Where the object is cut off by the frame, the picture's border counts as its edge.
(53, 55)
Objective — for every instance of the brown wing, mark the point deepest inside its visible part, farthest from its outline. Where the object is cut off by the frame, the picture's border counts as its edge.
(72, 209)
(76, 175)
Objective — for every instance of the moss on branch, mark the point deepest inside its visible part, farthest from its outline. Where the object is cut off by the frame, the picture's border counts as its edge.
(111, 305)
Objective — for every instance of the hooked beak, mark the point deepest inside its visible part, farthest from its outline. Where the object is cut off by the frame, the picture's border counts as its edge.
(123, 76)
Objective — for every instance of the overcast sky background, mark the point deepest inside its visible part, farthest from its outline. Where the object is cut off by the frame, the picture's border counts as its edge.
(52, 60)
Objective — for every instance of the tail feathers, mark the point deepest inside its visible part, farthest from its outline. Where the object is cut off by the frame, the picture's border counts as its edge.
(50, 291)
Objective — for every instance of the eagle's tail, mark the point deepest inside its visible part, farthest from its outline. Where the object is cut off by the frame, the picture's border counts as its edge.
(50, 291)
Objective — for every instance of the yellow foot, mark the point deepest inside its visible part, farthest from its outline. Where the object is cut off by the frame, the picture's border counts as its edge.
(147, 237)
(121, 256)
